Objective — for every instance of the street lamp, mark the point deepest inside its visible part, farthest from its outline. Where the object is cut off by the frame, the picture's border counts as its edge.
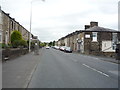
(31, 25)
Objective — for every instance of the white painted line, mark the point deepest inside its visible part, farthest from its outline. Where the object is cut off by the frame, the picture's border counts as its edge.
(96, 58)
(96, 70)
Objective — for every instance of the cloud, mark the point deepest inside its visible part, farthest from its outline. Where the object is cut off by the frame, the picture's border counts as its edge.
(53, 19)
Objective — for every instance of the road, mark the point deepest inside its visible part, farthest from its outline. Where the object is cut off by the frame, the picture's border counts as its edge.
(57, 69)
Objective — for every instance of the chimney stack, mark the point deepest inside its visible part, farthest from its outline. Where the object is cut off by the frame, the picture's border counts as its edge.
(87, 26)
(8, 14)
(92, 24)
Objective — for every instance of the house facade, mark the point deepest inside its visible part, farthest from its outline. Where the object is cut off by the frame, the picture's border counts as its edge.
(93, 40)
(0, 25)
(99, 40)
(8, 25)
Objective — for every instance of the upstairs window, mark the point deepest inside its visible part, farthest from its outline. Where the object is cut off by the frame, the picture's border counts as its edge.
(94, 36)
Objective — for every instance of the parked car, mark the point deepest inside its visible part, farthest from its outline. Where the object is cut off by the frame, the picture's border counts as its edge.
(56, 47)
(47, 47)
(62, 48)
(68, 49)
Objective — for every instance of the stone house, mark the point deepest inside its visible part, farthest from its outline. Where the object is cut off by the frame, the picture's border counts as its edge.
(98, 40)
(61, 41)
(8, 25)
(93, 40)
(58, 43)
(66, 41)
(0, 25)
(71, 40)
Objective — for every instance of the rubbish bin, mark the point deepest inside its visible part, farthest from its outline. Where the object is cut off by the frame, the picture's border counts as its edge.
(118, 52)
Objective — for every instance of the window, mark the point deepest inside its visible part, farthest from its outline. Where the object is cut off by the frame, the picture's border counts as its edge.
(87, 36)
(94, 36)
(12, 24)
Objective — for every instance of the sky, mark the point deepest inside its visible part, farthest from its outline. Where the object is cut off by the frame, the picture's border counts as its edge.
(53, 19)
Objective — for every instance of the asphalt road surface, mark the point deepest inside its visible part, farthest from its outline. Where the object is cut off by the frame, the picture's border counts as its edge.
(57, 69)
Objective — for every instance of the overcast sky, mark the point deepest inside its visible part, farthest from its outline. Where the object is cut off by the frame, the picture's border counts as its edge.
(54, 19)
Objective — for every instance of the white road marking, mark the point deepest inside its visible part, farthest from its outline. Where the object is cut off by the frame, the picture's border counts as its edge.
(96, 58)
(96, 70)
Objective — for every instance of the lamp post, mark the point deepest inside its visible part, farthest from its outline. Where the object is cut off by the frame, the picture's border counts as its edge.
(31, 25)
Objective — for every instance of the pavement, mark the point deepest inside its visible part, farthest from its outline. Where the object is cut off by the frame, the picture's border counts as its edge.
(16, 73)
(55, 69)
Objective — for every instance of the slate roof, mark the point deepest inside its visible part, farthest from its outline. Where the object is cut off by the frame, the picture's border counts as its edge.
(92, 29)
(101, 29)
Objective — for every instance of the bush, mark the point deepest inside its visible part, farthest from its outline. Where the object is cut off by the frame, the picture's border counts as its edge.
(10, 45)
(3, 45)
(16, 36)
(23, 43)
(17, 41)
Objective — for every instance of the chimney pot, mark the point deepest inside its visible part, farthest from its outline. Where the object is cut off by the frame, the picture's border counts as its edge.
(87, 26)
(92, 24)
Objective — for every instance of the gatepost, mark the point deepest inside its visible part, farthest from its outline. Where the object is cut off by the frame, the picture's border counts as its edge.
(118, 52)
(36, 46)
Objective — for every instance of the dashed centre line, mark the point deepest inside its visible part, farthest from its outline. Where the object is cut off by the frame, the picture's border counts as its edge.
(96, 70)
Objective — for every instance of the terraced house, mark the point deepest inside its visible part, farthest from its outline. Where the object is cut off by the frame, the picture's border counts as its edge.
(0, 25)
(8, 25)
(93, 40)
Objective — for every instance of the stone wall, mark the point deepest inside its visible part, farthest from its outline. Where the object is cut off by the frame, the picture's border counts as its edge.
(8, 54)
(109, 54)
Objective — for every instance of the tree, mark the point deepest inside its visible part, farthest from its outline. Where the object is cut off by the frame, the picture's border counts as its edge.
(53, 43)
(42, 44)
(50, 44)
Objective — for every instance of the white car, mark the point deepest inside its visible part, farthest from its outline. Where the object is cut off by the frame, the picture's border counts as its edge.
(47, 47)
(56, 47)
(62, 48)
(68, 49)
